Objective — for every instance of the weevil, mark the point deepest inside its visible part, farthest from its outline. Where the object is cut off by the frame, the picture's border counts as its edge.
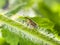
(32, 23)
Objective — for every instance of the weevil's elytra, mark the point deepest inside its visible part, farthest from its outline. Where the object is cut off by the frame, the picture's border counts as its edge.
(6, 4)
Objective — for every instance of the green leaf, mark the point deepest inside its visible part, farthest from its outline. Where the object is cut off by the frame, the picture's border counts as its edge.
(33, 32)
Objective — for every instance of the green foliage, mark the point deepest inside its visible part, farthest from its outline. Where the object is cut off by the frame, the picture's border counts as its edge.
(2, 3)
(22, 31)
(50, 9)
(48, 13)
(3, 41)
(33, 32)
(15, 37)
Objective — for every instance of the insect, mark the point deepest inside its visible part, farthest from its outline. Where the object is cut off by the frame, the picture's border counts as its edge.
(6, 4)
(30, 22)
